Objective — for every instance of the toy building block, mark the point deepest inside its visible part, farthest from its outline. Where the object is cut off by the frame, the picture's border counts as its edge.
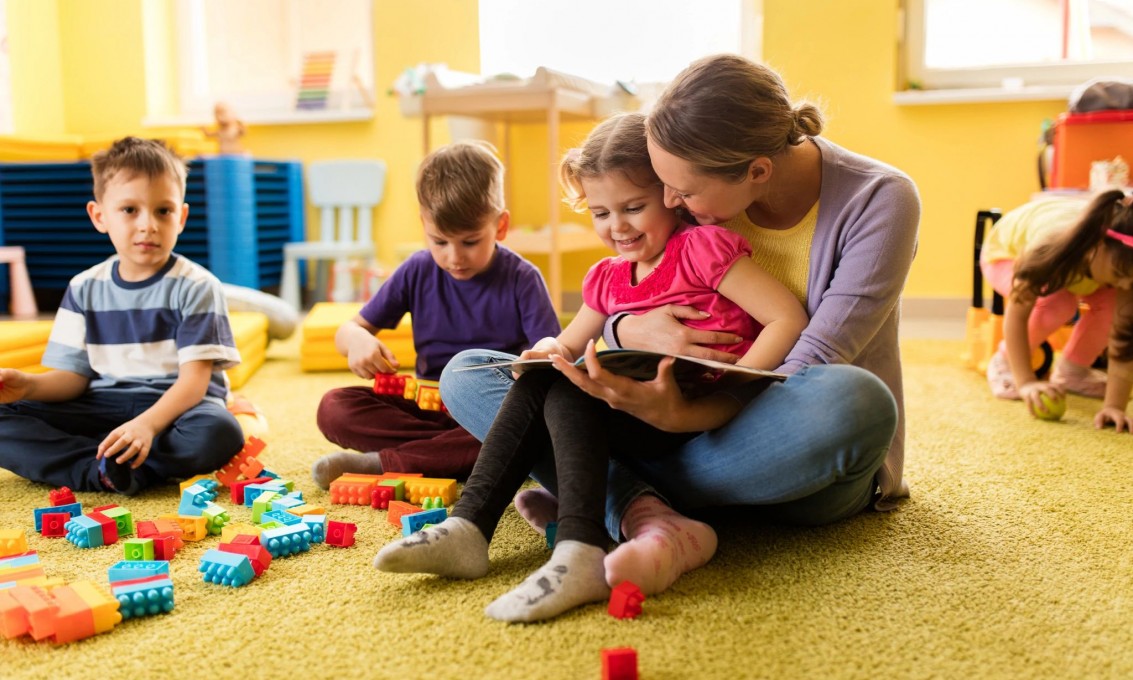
(144, 597)
(418, 488)
(132, 570)
(282, 516)
(285, 503)
(396, 384)
(318, 526)
(262, 504)
(252, 492)
(625, 601)
(61, 496)
(27, 611)
(21, 560)
(84, 610)
(428, 503)
(552, 530)
(53, 524)
(429, 396)
(22, 569)
(381, 496)
(231, 471)
(84, 532)
(138, 548)
(341, 534)
(13, 542)
(258, 555)
(192, 528)
(228, 569)
(193, 500)
(234, 529)
(353, 489)
(236, 488)
(286, 541)
(215, 518)
(193, 480)
(398, 486)
(398, 509)
(308, 509)
(164, 547)
(619, 663)
(251, 468)
(411, 524)
(109, 527)
(122, 517)
(72, 509)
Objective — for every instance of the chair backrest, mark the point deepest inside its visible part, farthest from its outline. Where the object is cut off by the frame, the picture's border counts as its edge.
(348, 189)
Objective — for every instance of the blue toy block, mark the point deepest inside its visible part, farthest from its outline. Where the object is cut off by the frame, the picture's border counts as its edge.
(287, 541)
(318, 526)
(144, 599)
(552, 528)
(282, 516)
(128, 570)
(25, 560)
(84, 532)
(263, 504)
(73, 509)
(194, 499)
(123, 518)
(268, 473)
(253, 491)
(286, 503)
(229, 569)
(411, 524)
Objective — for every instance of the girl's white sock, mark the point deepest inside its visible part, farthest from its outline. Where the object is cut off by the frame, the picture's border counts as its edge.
(453, 548)
(573, 576)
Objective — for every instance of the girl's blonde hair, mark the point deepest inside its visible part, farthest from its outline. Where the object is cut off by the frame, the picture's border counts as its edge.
(1053, 265)
(617, 144)
(724, 111)
(460, 185)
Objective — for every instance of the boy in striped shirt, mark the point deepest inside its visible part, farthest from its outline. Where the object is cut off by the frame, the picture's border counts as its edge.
(138, 348)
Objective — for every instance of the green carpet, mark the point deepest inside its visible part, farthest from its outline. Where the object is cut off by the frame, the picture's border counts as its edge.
(1012, 560)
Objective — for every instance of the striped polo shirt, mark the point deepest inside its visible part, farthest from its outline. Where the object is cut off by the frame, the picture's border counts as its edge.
(134, 335)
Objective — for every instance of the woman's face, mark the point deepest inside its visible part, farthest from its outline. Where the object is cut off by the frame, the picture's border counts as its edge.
(709, 199)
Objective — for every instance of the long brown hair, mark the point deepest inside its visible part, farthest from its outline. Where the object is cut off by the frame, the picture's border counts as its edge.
(1053, 265)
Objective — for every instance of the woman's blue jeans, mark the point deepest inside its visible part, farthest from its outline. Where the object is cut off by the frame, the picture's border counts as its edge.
(807, 448)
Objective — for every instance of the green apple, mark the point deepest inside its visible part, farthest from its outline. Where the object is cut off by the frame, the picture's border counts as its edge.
(1055, 408)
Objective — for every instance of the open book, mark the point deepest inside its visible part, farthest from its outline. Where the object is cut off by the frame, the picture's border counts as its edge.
(642, 365)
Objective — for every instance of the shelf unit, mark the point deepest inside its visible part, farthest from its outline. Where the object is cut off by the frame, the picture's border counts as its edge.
(512, 104)
(242, 211)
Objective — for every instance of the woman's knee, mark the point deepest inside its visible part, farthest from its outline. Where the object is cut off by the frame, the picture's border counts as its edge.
(855, 404)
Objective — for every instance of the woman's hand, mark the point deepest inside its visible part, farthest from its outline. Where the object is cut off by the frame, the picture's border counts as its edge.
(1031, 393)
(661, 330)
(1109, 414)
(658, 402)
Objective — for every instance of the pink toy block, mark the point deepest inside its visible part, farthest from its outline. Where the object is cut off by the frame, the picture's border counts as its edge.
(341, 534)
(619, 663)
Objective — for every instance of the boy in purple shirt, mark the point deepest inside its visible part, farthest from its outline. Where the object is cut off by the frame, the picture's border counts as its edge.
(466, 291)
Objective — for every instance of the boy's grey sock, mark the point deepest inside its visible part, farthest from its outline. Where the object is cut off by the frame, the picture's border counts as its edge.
(453, 548)
(333, 465)
(574, 576)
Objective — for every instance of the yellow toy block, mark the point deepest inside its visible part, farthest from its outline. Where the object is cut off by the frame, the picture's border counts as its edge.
(14, 542)
(307, 509)
(232, 530)
(192, 528)
(429, 395)
(418, 488)
(103, 607)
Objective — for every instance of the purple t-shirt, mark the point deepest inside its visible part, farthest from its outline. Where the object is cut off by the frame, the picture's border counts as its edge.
(505, 308)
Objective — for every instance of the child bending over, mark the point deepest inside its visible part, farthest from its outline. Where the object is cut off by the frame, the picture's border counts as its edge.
(660, 261)
(465, 291)
(138, 347)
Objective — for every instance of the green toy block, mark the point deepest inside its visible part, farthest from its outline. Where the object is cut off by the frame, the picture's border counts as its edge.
(138, 548)
(262, 504)
(123, 518)
(398, 487)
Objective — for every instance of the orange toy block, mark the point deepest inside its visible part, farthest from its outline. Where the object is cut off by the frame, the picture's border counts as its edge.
(399, 508)
(14, 542)
(251, 468)
(231, 471)
(103, 606)
(429, 396)
(353, 489)
(417, 488)
(192, 528)
(27, 611)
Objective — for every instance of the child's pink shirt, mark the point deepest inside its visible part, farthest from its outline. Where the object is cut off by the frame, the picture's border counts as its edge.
(695, 261)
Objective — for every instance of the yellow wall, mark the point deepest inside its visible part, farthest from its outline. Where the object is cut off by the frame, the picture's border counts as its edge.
(963, 157)
(36, 71)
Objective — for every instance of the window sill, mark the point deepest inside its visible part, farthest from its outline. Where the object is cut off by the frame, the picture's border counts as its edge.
(267, 118)
(988, 95)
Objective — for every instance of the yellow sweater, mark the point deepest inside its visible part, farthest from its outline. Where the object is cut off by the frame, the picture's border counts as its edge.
(783, 253)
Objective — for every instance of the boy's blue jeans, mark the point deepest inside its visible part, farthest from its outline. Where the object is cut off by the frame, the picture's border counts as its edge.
(807, 448)
(55, 442)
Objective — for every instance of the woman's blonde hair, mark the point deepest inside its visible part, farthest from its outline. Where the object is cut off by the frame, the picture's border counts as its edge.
(617, 144)
(724, 111)
(460, 185)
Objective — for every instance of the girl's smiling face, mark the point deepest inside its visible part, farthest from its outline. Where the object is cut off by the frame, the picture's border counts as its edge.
(630, 218)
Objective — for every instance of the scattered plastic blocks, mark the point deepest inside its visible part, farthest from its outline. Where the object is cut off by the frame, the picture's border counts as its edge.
(619, 663)
(398, 486)
(227, 569)
(61, 496)
(144, 596)
(236, 489)
(53, 524)
(625, 601)
(192, 528)
(318, 526)
(257, 555)
(84, 532)
(286, 541)
(411, 524)
(215, 518)
(395, 384)
(398, 509)
(132, 570)
(66, 613)
(263, 504)
(138, 548)
(72, 509)
(230, 473)
(341, 534)
(234, 529)
(122, 517)
(13, 542)
(282, 516)
(252, 492)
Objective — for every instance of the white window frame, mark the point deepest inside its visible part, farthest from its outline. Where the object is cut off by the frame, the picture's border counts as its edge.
(1037, 81)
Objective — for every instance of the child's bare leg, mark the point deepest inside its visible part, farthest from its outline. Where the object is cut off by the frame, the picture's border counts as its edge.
(453, 548)
(662, 545)
(538, 507)
(574, 576)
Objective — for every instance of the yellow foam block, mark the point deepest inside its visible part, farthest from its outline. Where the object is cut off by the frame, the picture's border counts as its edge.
(24, 334)
(250, 362)
(323, 320)
(55, 148)
(318, 353)
(323, 363)
(248, 327)
(19, 358)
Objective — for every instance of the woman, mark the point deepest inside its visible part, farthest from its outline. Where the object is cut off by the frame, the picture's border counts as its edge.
(839, 230)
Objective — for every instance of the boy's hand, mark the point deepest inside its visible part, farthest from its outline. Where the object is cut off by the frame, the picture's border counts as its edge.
(368, 357)
(129, 441)
(14, 385)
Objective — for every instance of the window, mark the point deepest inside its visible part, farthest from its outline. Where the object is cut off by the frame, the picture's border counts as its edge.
(1016, 44)
(606, 41)
(271, 60)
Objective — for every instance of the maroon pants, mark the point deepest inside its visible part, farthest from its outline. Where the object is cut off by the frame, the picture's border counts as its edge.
(407, 438)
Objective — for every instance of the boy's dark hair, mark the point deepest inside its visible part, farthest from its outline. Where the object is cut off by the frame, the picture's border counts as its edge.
(136, 156)
(1053, 265)
(460, 185)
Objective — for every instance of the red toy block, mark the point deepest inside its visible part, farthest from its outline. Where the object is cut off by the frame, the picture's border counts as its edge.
(104, 507)
(145, 529)
(396, 384)
(340, 534)
(109, 527)
(231, 471)
(61, 496)
(245, 539)
(52, 524)
(256, 553)
(625, 601)
(237, 488)
(619, 663)
(399, 508)
(164, 547)
(381, 496)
